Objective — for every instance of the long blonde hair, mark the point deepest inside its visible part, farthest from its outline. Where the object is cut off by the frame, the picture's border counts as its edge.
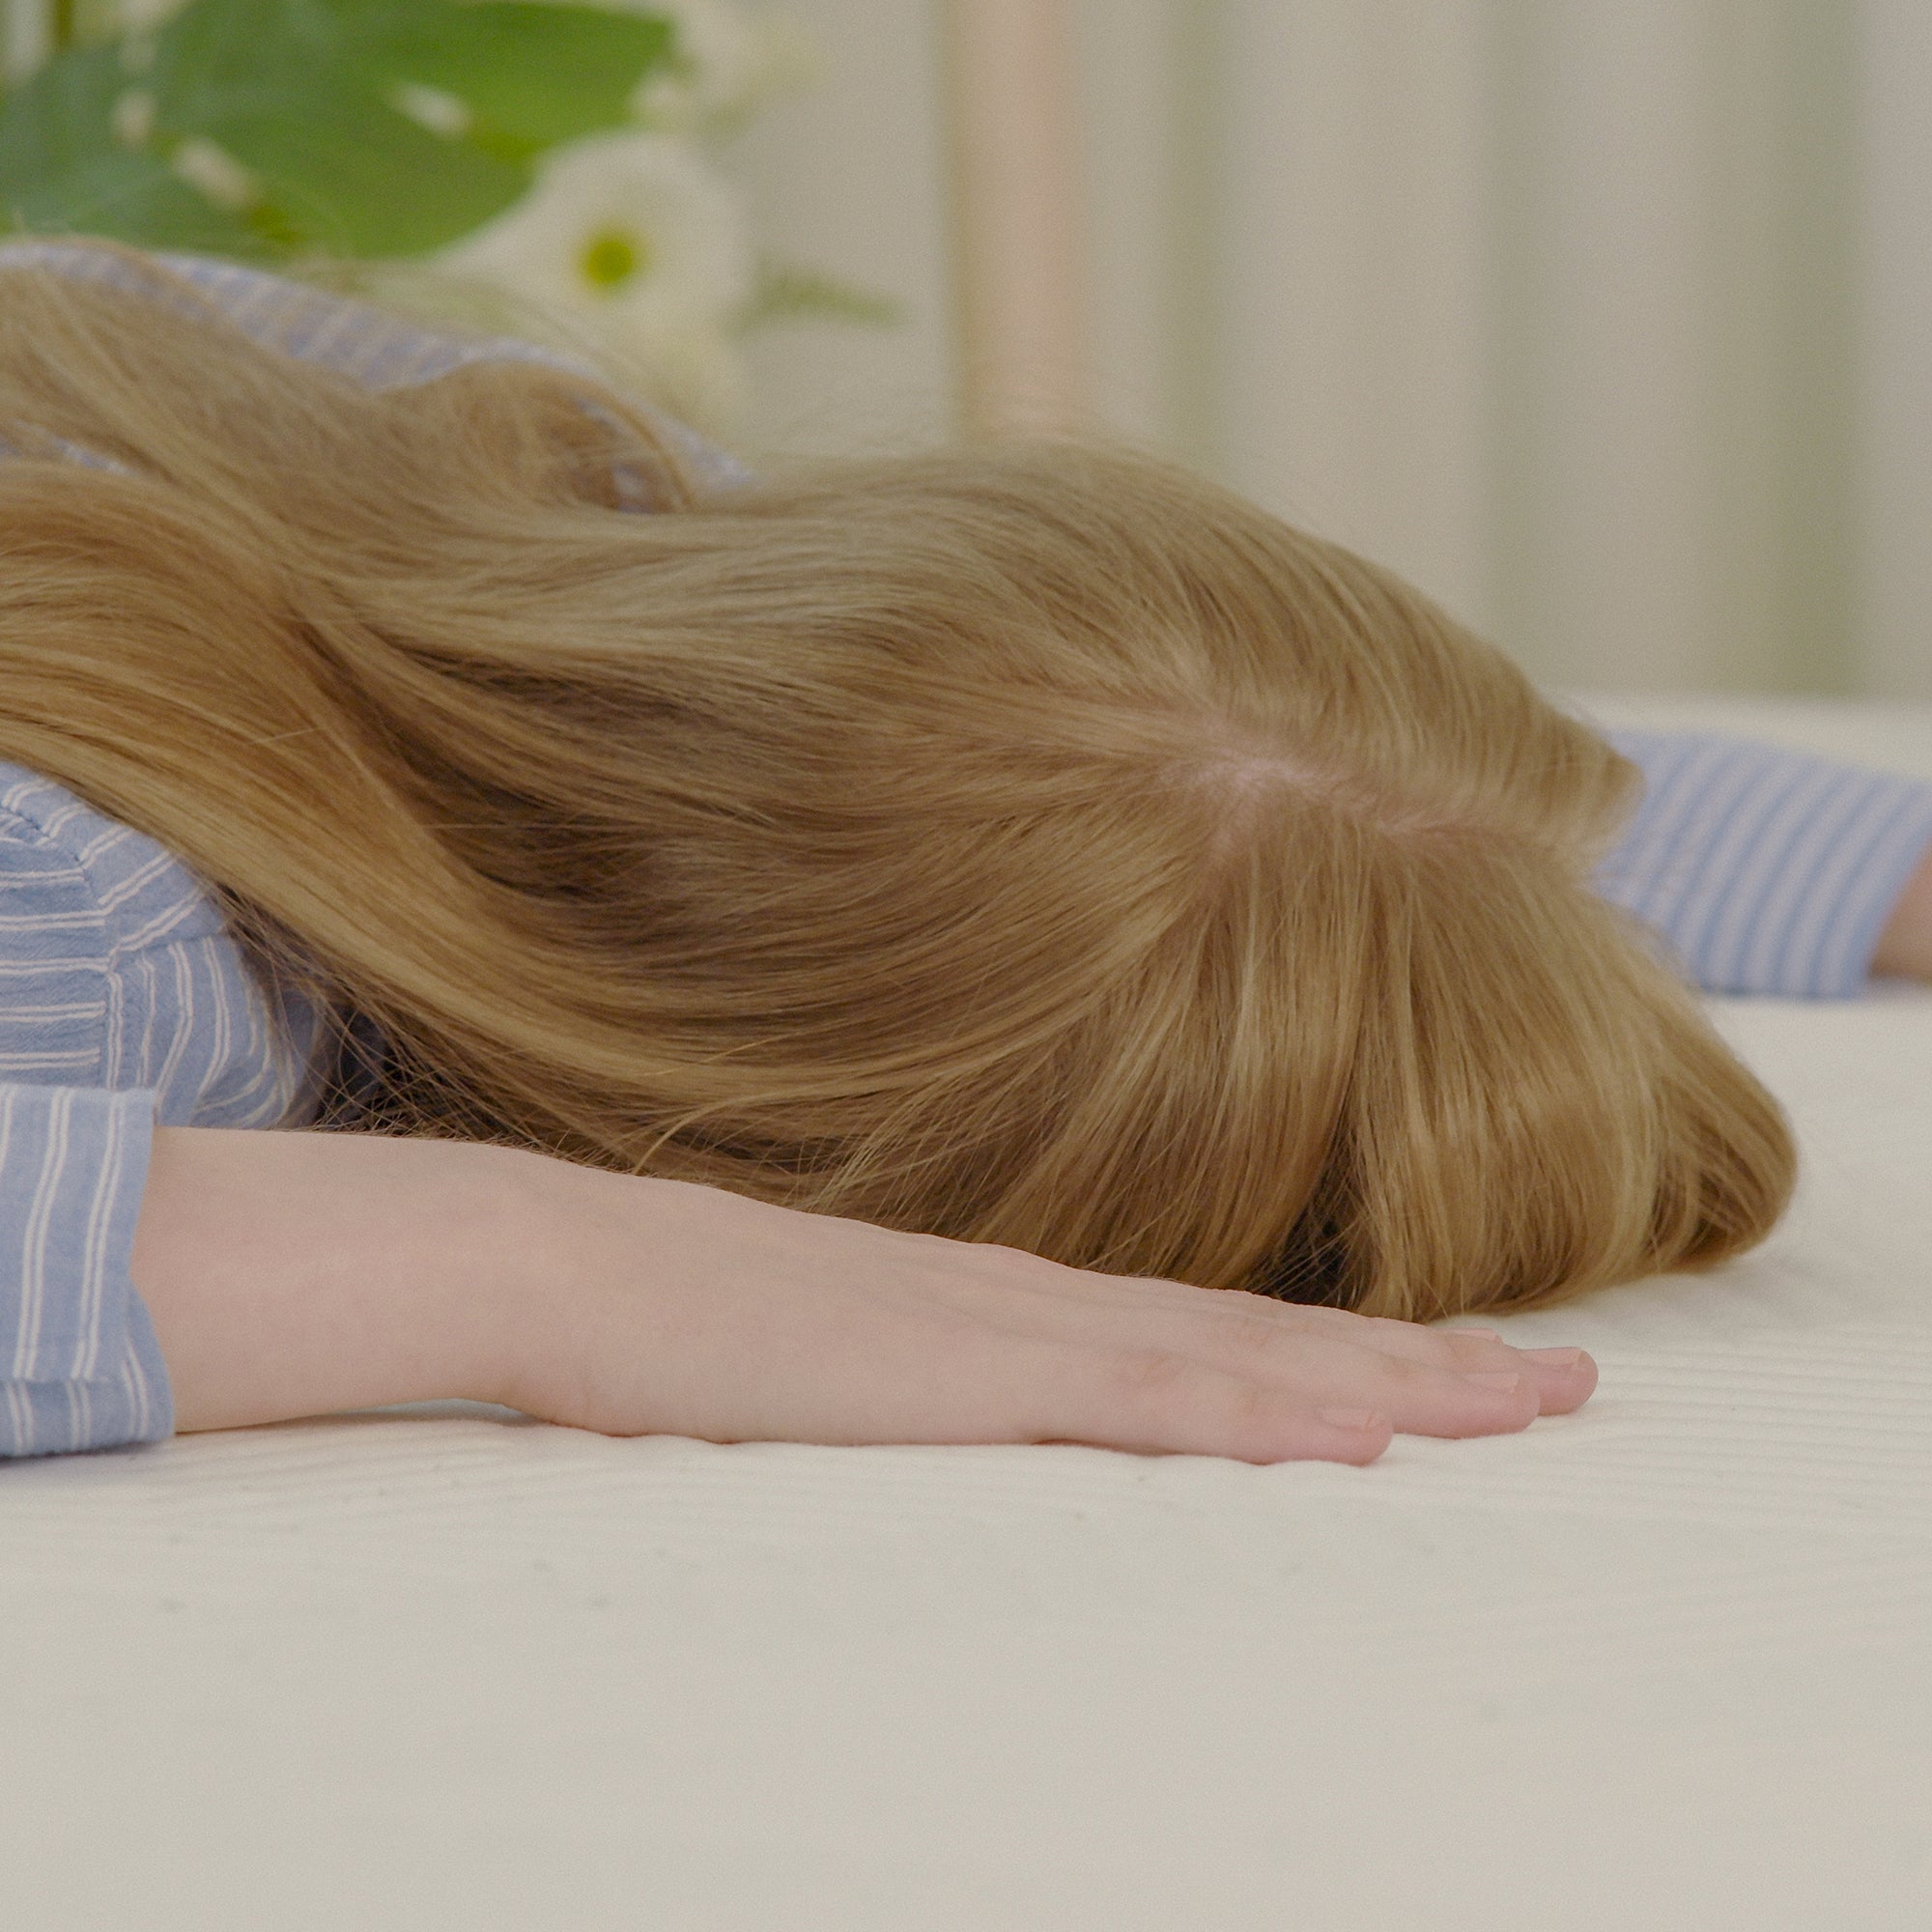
(1033, 845)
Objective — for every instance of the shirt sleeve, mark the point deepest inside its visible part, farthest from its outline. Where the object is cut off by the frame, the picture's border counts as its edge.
(1764, 870)
(374, 346)
(80, 1364)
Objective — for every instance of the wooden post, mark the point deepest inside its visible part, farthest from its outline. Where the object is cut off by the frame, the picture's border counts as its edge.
(1018, 216)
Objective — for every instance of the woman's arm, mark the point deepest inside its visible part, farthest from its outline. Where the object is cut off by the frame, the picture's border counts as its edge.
(290, 1274)
(1767, 870)
(1905, 945)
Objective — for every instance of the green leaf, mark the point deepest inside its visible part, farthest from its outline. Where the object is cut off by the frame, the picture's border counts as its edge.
(533, 75)
(303, 94)
(291, 89)
(62, 170)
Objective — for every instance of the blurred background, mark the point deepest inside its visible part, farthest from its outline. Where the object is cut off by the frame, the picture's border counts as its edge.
(1606, 321)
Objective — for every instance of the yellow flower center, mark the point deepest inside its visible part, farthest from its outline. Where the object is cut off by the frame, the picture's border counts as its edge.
(613, 257)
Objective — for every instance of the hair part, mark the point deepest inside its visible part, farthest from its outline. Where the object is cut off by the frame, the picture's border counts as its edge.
(1029, 844)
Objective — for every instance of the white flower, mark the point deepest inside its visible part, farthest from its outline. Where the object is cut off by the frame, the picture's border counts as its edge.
(636, 242)
(637, 228)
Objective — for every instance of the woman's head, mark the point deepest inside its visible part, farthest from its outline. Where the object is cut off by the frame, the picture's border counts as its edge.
(1035, 845)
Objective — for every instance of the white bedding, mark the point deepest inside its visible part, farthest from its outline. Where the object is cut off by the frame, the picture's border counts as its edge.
(1666, 1663)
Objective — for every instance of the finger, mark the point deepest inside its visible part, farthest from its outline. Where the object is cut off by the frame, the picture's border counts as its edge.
(1077, 1294)
(1152, 1398)
(1562, 1382)
(1566, 1378)
(1318, 1371)
(1563, 1379)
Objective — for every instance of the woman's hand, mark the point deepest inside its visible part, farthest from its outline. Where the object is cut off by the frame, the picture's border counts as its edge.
(291, 1274)
(688, 1311)
(1905, 945)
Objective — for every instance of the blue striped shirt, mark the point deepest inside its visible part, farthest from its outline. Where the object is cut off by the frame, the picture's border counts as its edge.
(1765, 872)
(125, 1002)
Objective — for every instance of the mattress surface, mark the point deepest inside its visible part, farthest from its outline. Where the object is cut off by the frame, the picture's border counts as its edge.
(1665, 1662)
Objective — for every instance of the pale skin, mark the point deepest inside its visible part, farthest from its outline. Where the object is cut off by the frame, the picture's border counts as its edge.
(293, 1274)
(296, 1274)
(1905, 945)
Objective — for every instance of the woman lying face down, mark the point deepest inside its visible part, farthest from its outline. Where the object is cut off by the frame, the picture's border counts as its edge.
(1034, 847)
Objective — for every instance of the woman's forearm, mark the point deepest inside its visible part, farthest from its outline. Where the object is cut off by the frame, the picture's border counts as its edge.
(292, 1274)
(1905, 945)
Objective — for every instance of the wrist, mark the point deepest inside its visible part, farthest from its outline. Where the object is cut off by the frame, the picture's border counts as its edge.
(292, 1274)
(565, 1314)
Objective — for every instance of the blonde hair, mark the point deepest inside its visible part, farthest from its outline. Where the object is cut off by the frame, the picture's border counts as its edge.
(1026, 844)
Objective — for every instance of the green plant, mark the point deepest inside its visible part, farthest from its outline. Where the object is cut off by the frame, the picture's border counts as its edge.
(555, 159)
(279, 128)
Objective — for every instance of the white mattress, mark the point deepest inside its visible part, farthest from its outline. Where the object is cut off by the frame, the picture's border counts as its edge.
(1666, 1663)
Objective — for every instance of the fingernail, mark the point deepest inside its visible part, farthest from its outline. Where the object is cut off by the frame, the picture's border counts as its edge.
(1349, 1418)
(1555, 1358)
(1496, 1380)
